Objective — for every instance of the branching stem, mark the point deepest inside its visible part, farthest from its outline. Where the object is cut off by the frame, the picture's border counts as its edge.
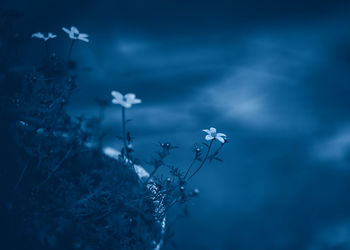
(190, 167)
(204, 160)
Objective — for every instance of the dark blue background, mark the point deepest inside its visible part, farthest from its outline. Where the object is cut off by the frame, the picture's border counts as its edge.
(272, 75)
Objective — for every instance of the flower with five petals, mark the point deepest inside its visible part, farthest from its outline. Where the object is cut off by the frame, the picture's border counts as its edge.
(125, 100)
(75, 34)
(212, 135)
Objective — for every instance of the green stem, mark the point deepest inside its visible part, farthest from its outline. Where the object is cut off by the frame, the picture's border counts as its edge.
(204, 160)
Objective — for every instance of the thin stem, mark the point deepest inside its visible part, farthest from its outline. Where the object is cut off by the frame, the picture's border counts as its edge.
(47, 48)
(219, 148)
(124, 133)
(21, 176)
(204, 160)
(190, 167)
(71, 48)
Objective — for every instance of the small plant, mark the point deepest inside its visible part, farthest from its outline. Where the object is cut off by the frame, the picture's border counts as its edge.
(211, 136)
(126, 101)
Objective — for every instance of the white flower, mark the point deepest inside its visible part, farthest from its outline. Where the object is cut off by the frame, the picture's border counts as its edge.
(212, 134)
(125, 100)
(75, 34)
(42, 36)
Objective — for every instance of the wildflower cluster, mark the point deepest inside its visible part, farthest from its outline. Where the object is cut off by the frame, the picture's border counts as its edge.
(170, 191)
(73, 34)
(59, 190)
(65, 190)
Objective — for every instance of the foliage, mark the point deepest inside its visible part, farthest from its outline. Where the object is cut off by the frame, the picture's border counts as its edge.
(58, 190)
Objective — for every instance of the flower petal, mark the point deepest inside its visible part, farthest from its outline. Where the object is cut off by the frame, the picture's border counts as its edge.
(115, 101)
(117, 96)
(206, 131)
(74, 30)
(66, 30)
(136, 101)
(126, 104)
(212, 130)
(220, 139)
(130, 96)
(50, 35)
(209, 137)
(83, 39)
(72, 36)
(38, 35)
(221, 135)
(82, 35)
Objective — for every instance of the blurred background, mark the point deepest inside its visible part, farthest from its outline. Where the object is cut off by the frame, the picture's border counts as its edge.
(272, 75)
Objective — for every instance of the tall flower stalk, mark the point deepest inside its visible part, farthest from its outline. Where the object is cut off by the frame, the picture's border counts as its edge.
(126, 148)
(126, 101)
(40, 35)
(74, 34)
(70, 49)
(203, 161)
(197, 157)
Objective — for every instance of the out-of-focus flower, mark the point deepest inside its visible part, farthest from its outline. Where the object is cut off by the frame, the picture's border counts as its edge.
(125, 100)
(195, 192)
(42, 36)
(75, 34)
(212, 134)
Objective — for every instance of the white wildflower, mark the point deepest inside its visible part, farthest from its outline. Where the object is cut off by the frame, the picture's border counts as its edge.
(42, 36)
(75, 34)
(125, 100)
(212, 134)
